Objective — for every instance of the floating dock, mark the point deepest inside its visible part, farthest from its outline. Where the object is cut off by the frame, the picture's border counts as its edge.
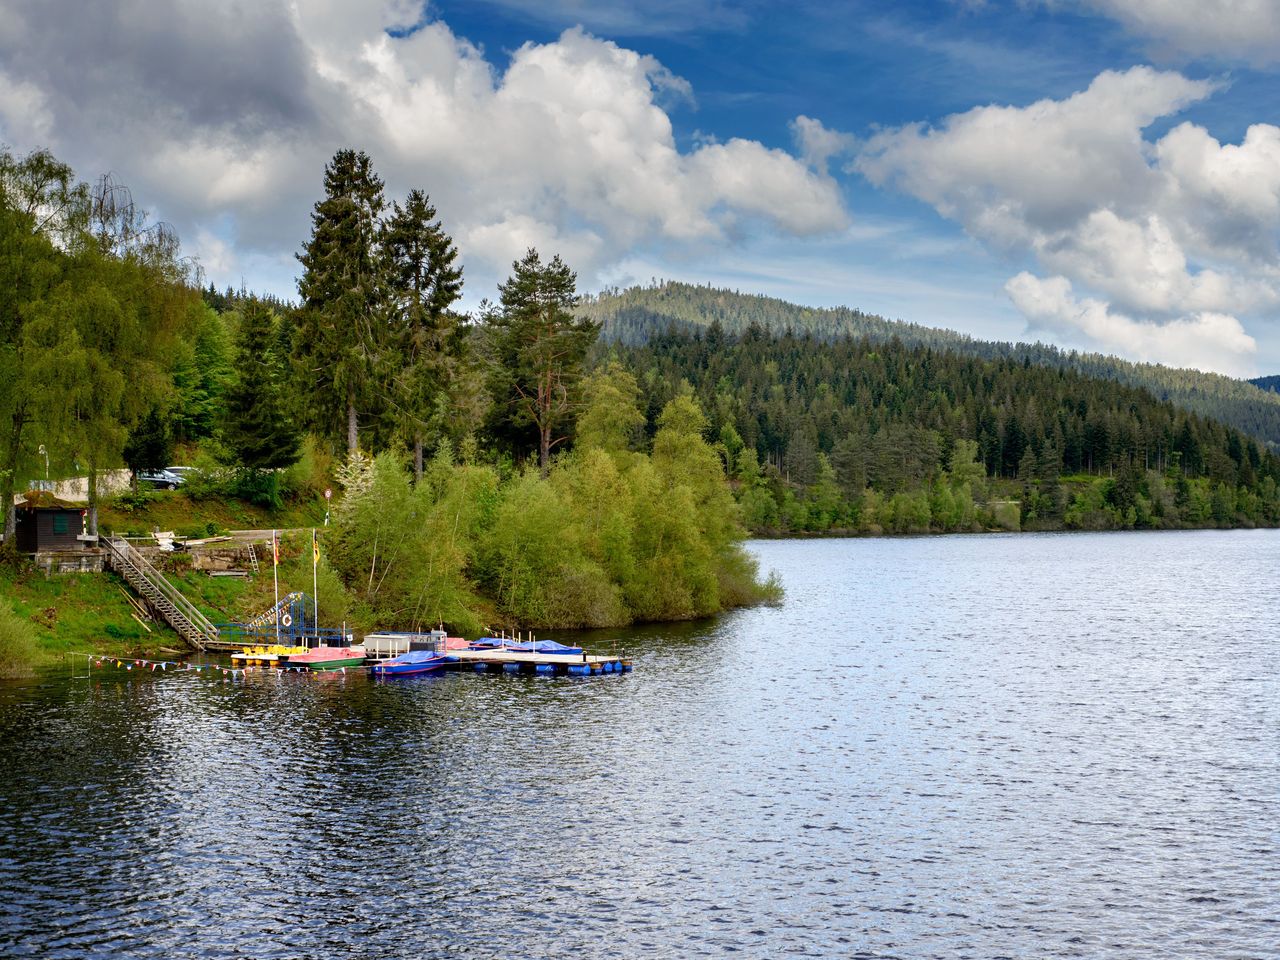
(514, 661)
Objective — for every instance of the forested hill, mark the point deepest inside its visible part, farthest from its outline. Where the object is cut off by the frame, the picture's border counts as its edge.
(1271, 383)
(883, 436)
(632, 316)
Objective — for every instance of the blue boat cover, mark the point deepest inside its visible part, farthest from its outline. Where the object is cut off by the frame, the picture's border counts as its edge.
(416, 656)
(544, 646)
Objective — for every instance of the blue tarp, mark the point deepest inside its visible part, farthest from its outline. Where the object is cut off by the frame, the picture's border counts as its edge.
(543, 646)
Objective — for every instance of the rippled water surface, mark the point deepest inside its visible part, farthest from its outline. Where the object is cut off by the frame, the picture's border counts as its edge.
(1051, 746)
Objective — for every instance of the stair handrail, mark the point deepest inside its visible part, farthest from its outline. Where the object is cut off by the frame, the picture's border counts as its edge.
(126, 553)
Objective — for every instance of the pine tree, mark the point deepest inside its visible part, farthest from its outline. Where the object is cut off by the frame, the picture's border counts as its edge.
(257, 430)
(538, 347)
(340, 327)
(423, 283)
(149, 444)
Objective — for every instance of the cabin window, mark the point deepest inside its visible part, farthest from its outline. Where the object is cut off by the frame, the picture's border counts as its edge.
(59, 523)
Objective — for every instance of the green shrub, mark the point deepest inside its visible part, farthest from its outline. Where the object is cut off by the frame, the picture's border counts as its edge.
(18, 650)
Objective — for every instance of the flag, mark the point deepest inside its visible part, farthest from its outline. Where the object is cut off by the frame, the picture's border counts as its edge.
(315, 548)
(275, 550)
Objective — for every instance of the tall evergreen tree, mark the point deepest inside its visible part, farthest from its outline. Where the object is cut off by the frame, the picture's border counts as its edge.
(341, 325)
(538, 346)
(257, 430)
(424, 282)
(149, 445)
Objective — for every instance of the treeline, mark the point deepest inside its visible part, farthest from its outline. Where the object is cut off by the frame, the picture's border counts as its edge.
(114, 352)
(855, 434)
(96, 315)
(631, 316)
(609, 537)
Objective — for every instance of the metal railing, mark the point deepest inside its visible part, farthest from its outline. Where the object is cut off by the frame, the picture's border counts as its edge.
(192, 625)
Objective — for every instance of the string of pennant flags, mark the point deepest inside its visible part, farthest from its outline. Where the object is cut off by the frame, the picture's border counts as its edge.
(100, 661)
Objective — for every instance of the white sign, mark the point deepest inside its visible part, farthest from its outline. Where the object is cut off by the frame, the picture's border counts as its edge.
(327, 493)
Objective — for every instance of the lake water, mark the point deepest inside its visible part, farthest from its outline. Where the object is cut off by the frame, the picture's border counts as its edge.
(980, 746)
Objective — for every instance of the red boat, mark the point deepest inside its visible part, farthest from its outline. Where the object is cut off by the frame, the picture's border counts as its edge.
(328, 658)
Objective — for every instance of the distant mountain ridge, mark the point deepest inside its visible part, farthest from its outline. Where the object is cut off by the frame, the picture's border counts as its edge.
(631, 316)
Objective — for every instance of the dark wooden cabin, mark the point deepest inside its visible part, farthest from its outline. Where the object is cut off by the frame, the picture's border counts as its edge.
(45, 523)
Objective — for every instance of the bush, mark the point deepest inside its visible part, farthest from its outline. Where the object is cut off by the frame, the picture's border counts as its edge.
(18, 649)
(259, 487)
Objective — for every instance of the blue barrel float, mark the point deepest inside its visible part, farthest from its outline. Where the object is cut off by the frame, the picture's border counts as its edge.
(481, 667)
(510, 667)
(546, 668)
(580, 669)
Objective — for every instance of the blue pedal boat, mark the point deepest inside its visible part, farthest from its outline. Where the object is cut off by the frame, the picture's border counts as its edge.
(411, 663)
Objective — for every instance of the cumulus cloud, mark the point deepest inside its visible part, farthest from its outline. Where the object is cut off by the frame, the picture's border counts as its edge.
(1182, 226)
(819, 144)
(1232, 29)
(1205, 340)
(222, 116)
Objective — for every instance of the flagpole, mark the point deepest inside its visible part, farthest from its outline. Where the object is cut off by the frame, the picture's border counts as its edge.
(315, 588)
(275, 578)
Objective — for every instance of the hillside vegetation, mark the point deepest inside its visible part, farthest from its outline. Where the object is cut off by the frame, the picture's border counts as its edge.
(631, 316)
(859, 435)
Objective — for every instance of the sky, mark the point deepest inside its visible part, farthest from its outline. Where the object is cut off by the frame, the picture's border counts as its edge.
(1099, 174)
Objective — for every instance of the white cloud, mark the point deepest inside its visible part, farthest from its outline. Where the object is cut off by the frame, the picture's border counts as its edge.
(570, 147)
(1010, 174)
(820, 144)
(1180, 227)
(1206, 340)
(1234, 29)
(24, 115)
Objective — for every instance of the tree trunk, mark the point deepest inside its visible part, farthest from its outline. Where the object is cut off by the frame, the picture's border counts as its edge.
(93, 502)
(353, 443)
(417, 458)
(9, 472)
(544, 450)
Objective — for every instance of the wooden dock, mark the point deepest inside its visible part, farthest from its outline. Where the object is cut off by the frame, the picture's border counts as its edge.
(514, 661)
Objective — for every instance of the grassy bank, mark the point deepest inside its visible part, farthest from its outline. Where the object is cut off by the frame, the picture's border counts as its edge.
(43, 619)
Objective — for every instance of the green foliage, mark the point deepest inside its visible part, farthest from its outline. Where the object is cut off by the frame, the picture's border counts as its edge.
(943, 439)
(611, 419)
(340, 326)
(634, 317)
(149, 445)
(426, 345)
(401, 550)
(537, 348)
(256, 430)
(18, 649)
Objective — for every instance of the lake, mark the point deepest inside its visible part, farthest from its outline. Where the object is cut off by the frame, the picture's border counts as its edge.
(975, 746)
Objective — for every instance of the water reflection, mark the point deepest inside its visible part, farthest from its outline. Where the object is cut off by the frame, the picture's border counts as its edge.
(1052, 746)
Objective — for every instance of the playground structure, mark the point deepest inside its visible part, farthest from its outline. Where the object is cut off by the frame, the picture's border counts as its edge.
(291, 622)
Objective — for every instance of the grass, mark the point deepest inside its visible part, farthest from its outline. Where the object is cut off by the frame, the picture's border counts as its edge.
(74, 613)
(174, 510)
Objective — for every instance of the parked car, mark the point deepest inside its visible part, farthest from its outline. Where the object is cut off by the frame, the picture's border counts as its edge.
(164, 479)
(183, 472)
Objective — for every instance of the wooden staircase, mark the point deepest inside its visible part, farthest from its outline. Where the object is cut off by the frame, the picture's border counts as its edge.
(161, 595)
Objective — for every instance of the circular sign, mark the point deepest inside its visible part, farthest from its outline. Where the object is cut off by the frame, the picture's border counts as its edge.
(327, 493)
(286, 621)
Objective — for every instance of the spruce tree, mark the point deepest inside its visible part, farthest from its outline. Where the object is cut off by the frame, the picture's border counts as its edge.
(340, 326)
(257, 430)
(423, 283)
(149, 444)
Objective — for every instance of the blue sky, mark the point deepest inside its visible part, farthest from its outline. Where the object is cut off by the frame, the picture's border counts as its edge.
(1103, 174)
